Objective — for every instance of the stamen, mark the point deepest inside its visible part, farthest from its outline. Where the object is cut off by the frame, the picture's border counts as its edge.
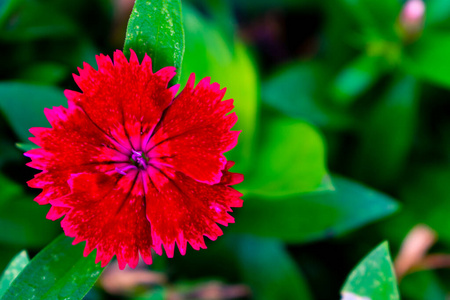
(139, 158)
(123, 170)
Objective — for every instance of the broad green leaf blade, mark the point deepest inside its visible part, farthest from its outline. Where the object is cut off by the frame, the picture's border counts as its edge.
(296, 90)
(156, 28)
(266, 266)
(428, 59)
(307, 217)
(17, 264)
(373, 278)
(58, 272)
(392, 121)
(23, 105)
(357, 78)
(291, 159)
(209, 55)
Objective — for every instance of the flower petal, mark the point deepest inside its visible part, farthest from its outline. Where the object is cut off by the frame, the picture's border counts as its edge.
(195, 132)
(108, 212)
(125, 95)
(183, 210)
(73, 145)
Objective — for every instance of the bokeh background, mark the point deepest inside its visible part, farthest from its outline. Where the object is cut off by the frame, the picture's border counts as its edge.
(344, 110)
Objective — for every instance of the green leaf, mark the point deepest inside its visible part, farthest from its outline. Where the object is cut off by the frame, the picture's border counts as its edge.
(266, 266)
(156, 28)
(313, 216)
(16, 265)
(373, 278)
(291, 159)
(23, 105)
(428, 58)
(356, 78)
(296, 90)
(209, 55)
(392, 121)
(58, 272)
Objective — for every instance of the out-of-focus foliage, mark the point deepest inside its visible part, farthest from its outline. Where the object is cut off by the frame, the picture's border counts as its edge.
(320, 88)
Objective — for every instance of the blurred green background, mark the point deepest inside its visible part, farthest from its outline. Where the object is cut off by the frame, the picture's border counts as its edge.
(344, 111)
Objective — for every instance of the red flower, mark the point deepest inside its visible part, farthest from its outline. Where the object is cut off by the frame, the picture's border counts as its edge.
(134, 168)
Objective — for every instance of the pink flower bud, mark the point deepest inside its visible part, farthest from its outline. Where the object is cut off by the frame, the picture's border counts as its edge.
(412, 17)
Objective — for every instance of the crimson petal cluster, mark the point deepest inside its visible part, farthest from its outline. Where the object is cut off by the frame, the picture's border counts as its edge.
(132, 167)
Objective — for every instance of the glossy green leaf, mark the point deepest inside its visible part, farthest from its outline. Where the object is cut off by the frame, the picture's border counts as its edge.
(392, 121)
(58, 272)
(23, 105)
(266, 266)
(313, 216)
(296, 90)
(15, 266)
(356, 78)
(373, 278)
(209, 55)
(156, 28)
(291, 159)
(428, 59)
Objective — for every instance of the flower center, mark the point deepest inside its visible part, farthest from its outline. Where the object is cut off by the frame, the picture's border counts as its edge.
(139, 159)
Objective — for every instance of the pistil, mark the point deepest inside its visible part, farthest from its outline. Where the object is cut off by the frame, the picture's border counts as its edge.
(139, 159)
